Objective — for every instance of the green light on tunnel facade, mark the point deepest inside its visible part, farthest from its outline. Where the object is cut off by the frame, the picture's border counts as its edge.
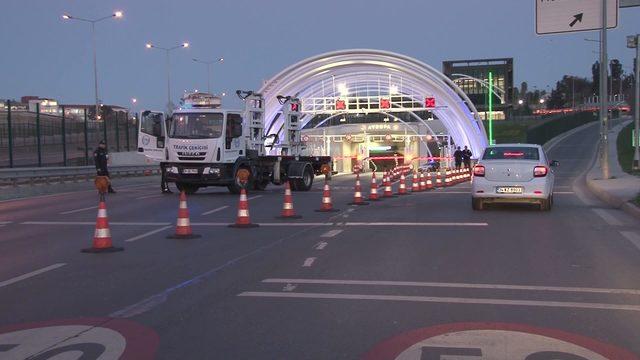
(491, 141)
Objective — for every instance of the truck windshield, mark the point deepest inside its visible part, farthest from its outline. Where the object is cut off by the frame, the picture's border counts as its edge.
(196, 126)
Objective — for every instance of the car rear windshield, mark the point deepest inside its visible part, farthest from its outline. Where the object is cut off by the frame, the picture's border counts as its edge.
(511, 152)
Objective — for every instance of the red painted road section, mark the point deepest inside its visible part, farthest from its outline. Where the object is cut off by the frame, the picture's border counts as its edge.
(141, 341)
(393, 347)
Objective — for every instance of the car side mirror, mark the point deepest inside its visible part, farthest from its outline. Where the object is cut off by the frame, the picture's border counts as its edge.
(554, 163)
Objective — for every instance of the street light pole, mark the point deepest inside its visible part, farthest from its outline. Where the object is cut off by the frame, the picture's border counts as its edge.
(208, 64)
(167, 51)
(633, 41)
(117, 15)
(604, 104)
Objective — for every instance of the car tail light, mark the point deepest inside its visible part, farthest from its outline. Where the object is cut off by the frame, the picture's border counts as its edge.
(478, 170)
(540, 171)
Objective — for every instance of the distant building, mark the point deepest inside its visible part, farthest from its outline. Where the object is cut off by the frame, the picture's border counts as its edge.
(15, 106)
(47, 106)
(472, 76)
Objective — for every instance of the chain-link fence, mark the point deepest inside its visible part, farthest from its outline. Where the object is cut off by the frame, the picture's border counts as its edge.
(30, 139)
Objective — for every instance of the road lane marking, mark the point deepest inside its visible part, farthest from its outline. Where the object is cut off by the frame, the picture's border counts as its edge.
(93, 223)
(149, 196)
(3, 223)
(443, 300)
(254, 197)
(321, 245)
(148, 233)
(331, 233)
(608, 217)
(215, 210)
(415, 224)
(295, 224)
(31, 274)
(456, 285)
(78, 210)
(351, 209)
(633, 237)
(308, 262)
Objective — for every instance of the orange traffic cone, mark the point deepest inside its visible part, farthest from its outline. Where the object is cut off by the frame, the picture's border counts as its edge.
(438, 179)
(327, 204)
(183, 225)
(287, 207)
(423, 184)
(102, 234)
(388, 191)
(415, 183)
(243, 220)
(402, 189)
(373, 195)
(357, 196)
(447, 178)
(429, 182)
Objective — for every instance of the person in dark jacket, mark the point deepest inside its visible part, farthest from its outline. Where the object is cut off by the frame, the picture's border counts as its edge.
(100, 158)
(466, 157)
(457, 156)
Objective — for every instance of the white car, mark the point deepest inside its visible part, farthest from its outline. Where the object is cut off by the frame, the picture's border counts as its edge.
(513, 173)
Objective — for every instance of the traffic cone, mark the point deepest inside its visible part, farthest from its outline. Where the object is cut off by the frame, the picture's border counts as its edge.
(357, 196)
(438, 179)
(243, 220)
(423, 184)
(183, 225)
(429, 182)
(415, 184)
(102, 235)
(373, 194)
(388, 191)
(327, 204)
(287, 206)
(402, 188)
(447, 178)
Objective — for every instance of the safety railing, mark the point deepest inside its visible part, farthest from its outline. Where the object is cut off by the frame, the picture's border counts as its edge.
(19, 176)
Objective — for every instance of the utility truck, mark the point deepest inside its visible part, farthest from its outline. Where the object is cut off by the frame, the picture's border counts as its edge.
(202, 144)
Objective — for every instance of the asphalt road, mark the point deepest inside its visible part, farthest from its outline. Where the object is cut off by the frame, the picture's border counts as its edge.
(413, 277)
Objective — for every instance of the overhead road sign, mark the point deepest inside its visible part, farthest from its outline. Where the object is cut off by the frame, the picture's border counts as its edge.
(562, 16)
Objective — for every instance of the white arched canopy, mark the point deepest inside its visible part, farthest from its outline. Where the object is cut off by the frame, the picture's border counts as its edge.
(363, 70)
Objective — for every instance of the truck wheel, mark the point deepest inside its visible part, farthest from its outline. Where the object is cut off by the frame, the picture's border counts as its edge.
(187, 188)
(306, 182)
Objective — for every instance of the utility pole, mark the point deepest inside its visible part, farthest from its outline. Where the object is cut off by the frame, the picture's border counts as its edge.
(604, 103)
(633, 41)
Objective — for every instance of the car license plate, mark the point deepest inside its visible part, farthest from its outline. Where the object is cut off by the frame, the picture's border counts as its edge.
(509, 190)
(189, 171)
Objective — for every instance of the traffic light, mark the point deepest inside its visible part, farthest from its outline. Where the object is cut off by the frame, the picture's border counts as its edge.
(385, 104)
(295, 107)
(341, 105)
(430, 102)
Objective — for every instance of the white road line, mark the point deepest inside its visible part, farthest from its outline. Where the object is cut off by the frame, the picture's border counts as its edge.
(254, 197)
(295, 224)
(331, 233)
(308, 262)
(149, 196)
(78, 210)
(31, 274)
(93, 223)
(457, 285)
(5, 222)
(633, 237)
(148, 233)
(215, 210)
(444, 300)
(608, 217)
(351, 209)
(321, 245)
(415, 224)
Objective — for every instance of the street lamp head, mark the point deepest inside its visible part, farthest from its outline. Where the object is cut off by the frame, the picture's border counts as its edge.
(134, 100)
(148, 45)
(66, 17)
(520, 102)
(117, 14)
(185, 44)
(221, 60)
(541, 101)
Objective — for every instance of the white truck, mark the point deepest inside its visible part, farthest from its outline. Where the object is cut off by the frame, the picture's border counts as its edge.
(202, 145)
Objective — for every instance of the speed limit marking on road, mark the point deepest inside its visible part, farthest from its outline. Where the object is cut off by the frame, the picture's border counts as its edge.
(86, 339)
(496, 341)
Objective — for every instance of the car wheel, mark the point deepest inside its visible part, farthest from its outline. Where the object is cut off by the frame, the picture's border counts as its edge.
(477, 204)
(545, 204)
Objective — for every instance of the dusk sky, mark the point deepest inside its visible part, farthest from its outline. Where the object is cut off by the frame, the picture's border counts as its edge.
(46, 56)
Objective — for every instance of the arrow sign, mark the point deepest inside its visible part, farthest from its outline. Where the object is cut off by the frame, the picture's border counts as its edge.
(576, 18)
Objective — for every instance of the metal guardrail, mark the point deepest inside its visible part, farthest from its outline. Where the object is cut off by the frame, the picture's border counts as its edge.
(16, 176)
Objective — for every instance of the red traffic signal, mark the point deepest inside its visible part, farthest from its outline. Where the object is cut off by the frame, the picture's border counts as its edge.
(295, 106)
(385, 104)
(430, 102)
(341, 105)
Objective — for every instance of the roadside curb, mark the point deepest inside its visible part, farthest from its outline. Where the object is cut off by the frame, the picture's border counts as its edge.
(556, 140)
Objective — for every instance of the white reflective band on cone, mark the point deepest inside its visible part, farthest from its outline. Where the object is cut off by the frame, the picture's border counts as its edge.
(183, 222)
(102, 233)
(358, 194)
(326, 200)
(243, 213)
(183, 205)
(102, 213)
(287, 206)
(243, 197)
(374, 191)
